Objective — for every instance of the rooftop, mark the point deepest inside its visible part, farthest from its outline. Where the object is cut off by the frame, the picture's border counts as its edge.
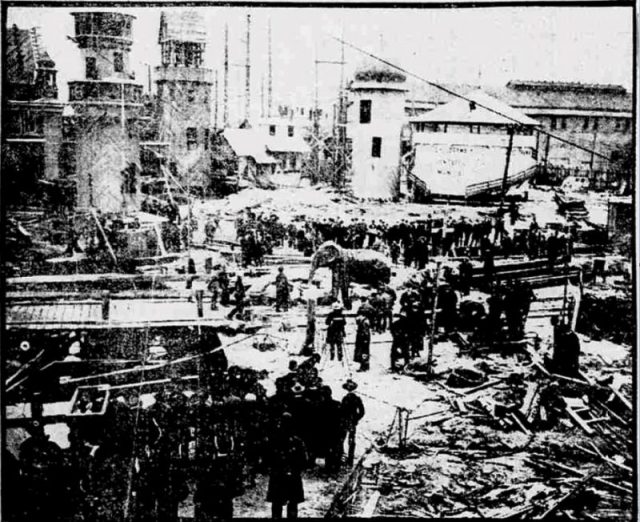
(534, 94)
(483, 109)
(24, 54)
(182, 26)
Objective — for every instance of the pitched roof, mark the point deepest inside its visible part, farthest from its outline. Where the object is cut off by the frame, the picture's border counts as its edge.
(287, 144)
(248, 142)
(182, 26)
(24, 53)
(462, 111)
(523, 94)
(564, 96)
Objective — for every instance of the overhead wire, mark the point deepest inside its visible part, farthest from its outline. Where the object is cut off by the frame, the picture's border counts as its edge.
(463, 97)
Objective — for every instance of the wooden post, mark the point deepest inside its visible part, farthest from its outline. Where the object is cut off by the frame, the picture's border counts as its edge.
(433, 322)
(506, 166)
(106, 300)
(36, 406)
(309, 346)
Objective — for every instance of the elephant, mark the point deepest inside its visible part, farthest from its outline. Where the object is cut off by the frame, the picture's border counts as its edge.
(362, 266)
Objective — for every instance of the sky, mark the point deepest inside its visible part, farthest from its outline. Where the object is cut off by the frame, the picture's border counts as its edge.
(453, 45)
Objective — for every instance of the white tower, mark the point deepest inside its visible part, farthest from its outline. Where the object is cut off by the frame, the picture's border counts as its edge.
(376, 117)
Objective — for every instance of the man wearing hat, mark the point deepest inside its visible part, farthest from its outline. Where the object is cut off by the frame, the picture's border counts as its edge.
(335, 332)
(361, 353)
(352, 410)
(282, 290)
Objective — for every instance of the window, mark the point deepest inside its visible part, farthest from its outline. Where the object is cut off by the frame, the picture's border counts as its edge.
(206, 139)
(290, 131)
(91, 68)
(620, 124)
(376, 146)
(553, 122)
(563, 122)
(627, 125)
(192, 138)
(585, 125)
(365, 111)
(272, 130)
(595, 123)
(118, 62)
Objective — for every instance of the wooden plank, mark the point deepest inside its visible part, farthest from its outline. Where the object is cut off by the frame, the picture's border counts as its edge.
(579, 421)
(622, 399)
(370, 506)
(612, 485)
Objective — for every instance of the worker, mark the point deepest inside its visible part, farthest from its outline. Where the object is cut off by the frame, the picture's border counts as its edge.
(223, 281)
(239, 293)
(352, 411)
(488, 258)
(336, 323)
(214, 287)
(41, 462)
(282, 290)
(448, 304)
(400, 343)
(287, 459)
(566, 350)
(465, 277)
(361, 353)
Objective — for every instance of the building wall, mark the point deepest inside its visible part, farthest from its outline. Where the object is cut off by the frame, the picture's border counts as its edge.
(103, 152)
(376, 177)
(609, 133)
(184, 103)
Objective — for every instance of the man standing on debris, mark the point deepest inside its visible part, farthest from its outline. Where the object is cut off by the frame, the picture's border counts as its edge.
(566, 350)
(239, 293)
(352, 410)
(282, 290)
(400, 344)
(336, 323)
(362, 352)
(214, 287)
(465, 276)
(287, 460)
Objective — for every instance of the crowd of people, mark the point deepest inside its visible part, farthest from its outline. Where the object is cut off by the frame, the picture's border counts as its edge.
(412, 243)
(139, 463)
(501, 319)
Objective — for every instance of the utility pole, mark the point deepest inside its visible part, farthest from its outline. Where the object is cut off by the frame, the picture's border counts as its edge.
(225, 114)
(247, 83)
(262, 97)
(215, 95)
(506, 166)
(270, 80)
(316, 125)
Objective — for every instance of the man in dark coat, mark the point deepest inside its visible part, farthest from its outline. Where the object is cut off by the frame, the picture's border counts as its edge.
(352, 411)
(41, 465)
(287, 459)
(282, 290)
(466, 276)
(448, 304)
(223, 282)
(239, 293)
(336, 323)
(361, 353)
(333, 430)
(401, 341)
(566, 351)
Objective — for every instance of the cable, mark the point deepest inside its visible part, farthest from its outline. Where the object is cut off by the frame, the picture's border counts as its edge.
(457, 95)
